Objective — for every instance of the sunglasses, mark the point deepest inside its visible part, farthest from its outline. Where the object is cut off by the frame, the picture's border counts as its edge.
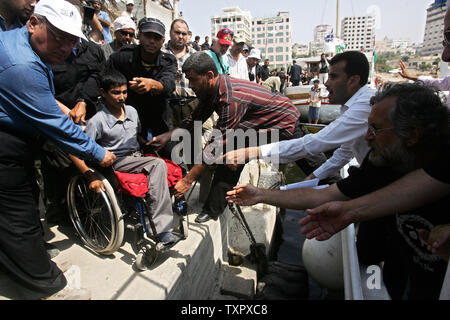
(126, 33)
(226, 31)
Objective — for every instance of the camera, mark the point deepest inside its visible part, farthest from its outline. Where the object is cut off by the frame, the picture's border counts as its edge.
(88, 11)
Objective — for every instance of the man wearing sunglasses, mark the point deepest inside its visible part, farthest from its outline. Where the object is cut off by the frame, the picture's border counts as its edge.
(220, 45)
(124, 33)
(14, 13)
(151, 76)
(28, 113)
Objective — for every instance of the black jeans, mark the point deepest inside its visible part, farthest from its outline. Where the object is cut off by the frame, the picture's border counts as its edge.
(22, 252)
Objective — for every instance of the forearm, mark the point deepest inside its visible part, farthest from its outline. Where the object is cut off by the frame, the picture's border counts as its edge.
(195, 173)
(79, 164)
(63, 108)
(300, 199)
(413, 190)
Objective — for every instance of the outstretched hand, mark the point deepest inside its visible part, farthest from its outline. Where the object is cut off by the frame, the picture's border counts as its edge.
(244, 195)
(325, 221)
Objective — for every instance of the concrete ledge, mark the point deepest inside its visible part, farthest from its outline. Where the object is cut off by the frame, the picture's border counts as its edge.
(193, 269)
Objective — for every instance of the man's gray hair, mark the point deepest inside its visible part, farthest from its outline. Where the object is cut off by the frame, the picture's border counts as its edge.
(417, 108)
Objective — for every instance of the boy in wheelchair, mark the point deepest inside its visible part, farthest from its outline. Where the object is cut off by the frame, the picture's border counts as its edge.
(116, 127)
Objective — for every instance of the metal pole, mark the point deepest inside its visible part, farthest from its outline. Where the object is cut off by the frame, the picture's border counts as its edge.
(337, 18)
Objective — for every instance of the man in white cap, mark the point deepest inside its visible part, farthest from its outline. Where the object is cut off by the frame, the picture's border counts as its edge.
(253, 60)
(236, 61)
(28, 112)
(129, 11)
(124, 33)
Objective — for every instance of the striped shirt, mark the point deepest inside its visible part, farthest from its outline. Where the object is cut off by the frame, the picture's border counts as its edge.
(246, 105)
(182, 88)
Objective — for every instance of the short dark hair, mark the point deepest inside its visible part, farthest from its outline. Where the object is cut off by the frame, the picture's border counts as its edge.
(178, 20)
(356, 64)
(418, 107)
(201, 63)
(111, 78)
(197, 37)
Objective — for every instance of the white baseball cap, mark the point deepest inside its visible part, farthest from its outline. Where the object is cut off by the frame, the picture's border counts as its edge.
(124, 22)
(130, 2)
(62, 15)
(255, 53)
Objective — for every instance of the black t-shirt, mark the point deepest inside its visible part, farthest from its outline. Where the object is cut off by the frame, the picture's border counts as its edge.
(395, 239)
(440, 167)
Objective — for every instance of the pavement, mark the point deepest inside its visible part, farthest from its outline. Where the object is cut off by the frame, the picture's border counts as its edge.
(175, 274)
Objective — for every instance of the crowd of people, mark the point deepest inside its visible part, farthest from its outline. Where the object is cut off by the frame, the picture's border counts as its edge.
(63, 69)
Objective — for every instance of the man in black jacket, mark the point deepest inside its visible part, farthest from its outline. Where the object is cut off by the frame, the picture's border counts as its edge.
(151, 76)
(295, 73)
(76, 80)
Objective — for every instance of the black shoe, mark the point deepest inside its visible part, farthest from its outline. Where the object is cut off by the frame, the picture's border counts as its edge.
(203, 217)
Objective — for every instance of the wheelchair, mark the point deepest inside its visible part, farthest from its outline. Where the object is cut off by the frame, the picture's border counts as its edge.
(100, 219)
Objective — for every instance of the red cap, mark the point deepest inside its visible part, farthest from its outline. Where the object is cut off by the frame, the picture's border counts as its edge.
(225, 36)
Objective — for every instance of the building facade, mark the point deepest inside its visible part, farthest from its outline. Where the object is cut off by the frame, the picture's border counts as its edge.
(358, 33)
(240, 22)
(432, 39)
(273, 36)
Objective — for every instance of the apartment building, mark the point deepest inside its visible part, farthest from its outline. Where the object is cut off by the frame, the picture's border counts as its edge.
(235, 19)
(358, 33)
(273, 36)
(432, 39)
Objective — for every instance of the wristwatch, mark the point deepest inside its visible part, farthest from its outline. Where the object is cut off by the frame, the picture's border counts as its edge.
(80, 100)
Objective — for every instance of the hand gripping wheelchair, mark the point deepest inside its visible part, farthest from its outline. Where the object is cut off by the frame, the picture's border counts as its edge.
(100, 218)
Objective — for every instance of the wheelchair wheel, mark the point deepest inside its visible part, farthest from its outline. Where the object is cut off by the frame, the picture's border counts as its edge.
(96, 217)
(146, 257)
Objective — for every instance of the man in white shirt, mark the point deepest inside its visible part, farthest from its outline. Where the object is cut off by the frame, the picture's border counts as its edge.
(236, 61)
(347, 85)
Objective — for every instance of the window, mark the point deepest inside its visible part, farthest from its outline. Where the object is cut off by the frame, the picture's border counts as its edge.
(270, 41)
(269, 28)
(279, 58)
(279, 49)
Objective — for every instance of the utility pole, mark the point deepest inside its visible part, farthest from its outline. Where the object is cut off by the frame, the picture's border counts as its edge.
(337, 18)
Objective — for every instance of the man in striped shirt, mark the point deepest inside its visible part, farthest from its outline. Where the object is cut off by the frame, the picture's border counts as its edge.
(240, 105)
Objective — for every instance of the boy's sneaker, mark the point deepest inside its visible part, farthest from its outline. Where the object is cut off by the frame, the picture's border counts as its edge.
(70, 294)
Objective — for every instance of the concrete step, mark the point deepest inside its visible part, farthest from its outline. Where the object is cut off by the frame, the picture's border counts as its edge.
(195, 268)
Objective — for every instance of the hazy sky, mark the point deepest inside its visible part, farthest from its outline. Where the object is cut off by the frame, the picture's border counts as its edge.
(398, 18)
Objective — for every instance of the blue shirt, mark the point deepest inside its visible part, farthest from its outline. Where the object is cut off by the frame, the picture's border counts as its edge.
(106, 30)
(221, 63)
(118, 136)
(27, 102)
